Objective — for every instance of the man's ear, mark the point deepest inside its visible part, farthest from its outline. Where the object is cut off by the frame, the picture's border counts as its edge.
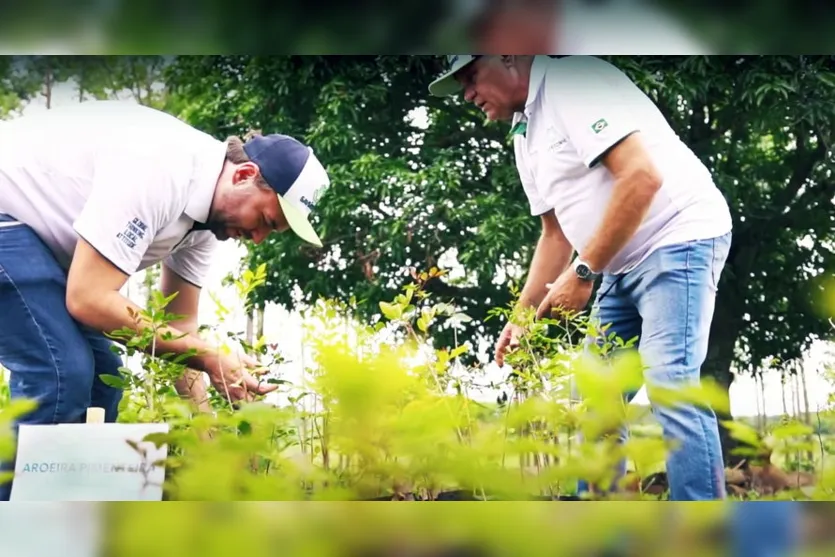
(245, 172)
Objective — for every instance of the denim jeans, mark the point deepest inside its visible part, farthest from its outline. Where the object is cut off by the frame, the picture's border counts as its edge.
(667, 301)
(765, 528)
(52, 358)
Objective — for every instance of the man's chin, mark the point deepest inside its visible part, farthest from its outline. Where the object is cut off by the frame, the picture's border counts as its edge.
(496, 116)
(221, 234)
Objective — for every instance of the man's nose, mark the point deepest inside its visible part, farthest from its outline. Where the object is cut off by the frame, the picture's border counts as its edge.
(469, 93)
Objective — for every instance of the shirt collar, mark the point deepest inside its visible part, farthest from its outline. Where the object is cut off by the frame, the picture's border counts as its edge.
(207, 167)
(538, 68)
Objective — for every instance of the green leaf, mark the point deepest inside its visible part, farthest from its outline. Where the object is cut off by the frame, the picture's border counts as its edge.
(458, 350)
(113, 381)
(17, 408)
(743, 432)
(423, 323)
(391, 311)
(459, 318)
(793, 429)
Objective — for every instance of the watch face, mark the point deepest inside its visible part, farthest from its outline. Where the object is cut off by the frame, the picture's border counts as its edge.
(583, 271)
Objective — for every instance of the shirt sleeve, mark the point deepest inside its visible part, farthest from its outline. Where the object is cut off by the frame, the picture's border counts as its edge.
(193, 259)
(584, 95)
(130, 201)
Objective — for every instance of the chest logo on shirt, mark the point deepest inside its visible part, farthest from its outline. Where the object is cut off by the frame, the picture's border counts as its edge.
(133, 232)
(556, 141)
(600, 125)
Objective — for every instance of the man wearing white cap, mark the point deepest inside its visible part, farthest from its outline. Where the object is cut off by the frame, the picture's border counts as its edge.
(92, 194)
(611, 180)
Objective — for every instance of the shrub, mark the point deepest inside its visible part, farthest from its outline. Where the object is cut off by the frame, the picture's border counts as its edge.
(384, 414)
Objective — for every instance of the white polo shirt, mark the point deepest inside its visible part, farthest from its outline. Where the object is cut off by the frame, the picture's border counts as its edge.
(577, 108)
(130, 180)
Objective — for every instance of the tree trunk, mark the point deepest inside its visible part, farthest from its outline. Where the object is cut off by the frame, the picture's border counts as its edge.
(795, 397)
(762, 396)
(783, 389)
(259, 328)
(802, 371)
(807, 414)
(250, 328)
(47, 93)
(760, 406)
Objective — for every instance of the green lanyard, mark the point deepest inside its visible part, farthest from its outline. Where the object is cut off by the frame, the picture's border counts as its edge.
(520, 128)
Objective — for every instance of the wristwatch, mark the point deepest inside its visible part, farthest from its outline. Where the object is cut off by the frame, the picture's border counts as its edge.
(583, 271)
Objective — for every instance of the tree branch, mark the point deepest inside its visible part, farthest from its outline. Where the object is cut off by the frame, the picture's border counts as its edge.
(438, 287)
(798, 214)
(804, 164)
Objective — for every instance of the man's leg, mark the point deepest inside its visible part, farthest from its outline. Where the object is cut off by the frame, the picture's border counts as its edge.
(41, 345)
(765, 528)
(614, 309)
(675, 291)
(106, 363)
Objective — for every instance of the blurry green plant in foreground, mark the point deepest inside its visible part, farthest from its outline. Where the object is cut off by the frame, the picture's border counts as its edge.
(368, 529)
(382, 413)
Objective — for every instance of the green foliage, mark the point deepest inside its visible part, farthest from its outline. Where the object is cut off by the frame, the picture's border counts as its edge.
(391, 399)
(401, 195)
(24, 79)
(383, 413)
(419, 181)
(426, 182)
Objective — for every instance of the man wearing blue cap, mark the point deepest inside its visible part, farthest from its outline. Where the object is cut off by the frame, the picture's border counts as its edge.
(610, 180)
(92, 194)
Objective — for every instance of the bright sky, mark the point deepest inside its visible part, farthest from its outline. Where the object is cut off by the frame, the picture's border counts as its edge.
(286, 328)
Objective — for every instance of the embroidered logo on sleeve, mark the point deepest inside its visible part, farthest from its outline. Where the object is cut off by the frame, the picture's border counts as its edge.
(600, 125)
(134, 231)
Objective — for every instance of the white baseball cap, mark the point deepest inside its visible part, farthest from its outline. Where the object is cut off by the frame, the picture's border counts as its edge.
(447, 85)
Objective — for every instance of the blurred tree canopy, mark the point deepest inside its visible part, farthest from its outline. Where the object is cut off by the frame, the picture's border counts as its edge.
(415, 180)
(423, 182)
(420, 182)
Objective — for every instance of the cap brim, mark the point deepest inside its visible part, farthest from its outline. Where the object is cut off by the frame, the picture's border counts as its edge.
(446, 85)
(299, 223)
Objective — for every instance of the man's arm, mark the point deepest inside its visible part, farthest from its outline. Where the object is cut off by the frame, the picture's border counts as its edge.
(603, 128)
(93, 298)
(637, 180)
(550, 259)
(186, 304)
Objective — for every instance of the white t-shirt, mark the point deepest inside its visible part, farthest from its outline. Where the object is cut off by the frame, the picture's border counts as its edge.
(577, 108)
(130, 180)
(627, 27)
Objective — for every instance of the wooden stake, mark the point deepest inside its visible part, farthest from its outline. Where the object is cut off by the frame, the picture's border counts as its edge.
(95, 415)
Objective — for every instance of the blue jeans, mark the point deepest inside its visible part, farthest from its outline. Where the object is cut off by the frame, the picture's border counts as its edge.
(667, 302)
(52, 358)
(765, 528)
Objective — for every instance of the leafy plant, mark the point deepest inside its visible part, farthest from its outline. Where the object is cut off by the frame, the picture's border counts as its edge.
(384, 412)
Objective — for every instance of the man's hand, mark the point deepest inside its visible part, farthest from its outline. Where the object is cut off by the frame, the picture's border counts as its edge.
(234, 376)
(568, 293)
(508, 340)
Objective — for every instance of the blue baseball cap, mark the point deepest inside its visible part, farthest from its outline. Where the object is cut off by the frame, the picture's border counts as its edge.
(295, 174)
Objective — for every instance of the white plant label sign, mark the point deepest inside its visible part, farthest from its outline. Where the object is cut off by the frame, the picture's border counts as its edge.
(88, 462)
